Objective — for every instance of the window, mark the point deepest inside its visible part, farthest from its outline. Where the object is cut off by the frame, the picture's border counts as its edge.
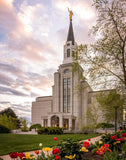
(66, 71)
(73, 124)
(66, 95)
(89, 100)
(66, 124)
(68, 52)
(45, 122)
(68, 44)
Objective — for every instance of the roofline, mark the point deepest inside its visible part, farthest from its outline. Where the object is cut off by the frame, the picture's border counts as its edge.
(102, 90)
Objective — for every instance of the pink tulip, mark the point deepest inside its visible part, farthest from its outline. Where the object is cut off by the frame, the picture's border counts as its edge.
(55, 138)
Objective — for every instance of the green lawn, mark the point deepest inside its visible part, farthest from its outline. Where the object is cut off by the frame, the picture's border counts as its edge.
(20, 143)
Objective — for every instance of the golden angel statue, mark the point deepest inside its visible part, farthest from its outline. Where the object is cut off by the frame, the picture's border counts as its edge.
(71, 13)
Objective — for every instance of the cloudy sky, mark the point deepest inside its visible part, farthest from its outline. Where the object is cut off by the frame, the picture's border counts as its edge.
(32, 35)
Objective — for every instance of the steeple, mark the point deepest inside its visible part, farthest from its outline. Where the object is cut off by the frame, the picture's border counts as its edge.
(70, 36)
(70, 45)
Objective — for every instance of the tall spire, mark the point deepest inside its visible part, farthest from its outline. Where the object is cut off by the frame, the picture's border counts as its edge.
(70, 36)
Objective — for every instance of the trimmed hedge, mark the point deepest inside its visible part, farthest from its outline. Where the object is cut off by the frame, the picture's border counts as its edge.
(35, 126)
(4, 129)
(50, 130)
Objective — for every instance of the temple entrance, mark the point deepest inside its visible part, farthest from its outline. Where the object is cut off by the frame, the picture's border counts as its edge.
(54, 121)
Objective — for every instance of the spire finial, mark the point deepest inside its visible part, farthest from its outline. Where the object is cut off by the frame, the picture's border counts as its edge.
(71, 13)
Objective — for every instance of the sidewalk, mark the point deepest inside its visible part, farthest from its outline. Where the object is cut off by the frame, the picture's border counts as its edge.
(6, 157)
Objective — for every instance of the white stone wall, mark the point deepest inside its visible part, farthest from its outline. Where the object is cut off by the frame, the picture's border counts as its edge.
(41, 108)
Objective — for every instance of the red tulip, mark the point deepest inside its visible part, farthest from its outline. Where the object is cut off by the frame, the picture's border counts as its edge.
(57, 157)
(14, 155)
(56, 150)
(86, 144)
(113, 137)
(123, 135)
(106, 145)
(22, 156)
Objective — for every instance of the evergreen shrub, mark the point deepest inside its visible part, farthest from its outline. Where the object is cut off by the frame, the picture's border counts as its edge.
(4, 129)
(35, 126)
(50, 130)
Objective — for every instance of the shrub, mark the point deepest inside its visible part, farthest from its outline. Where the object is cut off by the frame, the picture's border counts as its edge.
(35, 126)
(70, 147)
(50, 130)
(105, 125)
(4, 129)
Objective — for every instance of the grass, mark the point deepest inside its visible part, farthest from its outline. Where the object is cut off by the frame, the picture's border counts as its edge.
(20, 143)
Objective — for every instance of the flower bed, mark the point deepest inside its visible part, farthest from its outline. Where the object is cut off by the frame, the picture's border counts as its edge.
(110, 147)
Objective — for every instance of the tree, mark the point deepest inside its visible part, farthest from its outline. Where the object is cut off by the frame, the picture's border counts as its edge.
(105, 60)
(7, 121)
(24, 124)
(93, 115)
(10, 113)
(108, 102)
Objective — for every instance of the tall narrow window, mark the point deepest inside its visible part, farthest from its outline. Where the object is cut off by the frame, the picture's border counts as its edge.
(68, 52)
(45, 123)
(66, 95)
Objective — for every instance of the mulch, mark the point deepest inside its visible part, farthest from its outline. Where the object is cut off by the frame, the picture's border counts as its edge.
(91, 156)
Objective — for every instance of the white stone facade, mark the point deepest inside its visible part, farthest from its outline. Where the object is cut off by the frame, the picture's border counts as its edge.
(65, 108)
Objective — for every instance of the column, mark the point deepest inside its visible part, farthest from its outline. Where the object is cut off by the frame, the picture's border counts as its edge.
(49, 121)
(60, 121)
(70, 124)
(42, 123)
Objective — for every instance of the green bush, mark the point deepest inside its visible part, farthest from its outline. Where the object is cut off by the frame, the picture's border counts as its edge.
(105, 125)
(50, 130)
(70, 147)
(4, 129)
(35, 126)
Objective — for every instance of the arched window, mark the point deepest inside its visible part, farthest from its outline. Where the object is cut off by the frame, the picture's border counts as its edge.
(66, 71)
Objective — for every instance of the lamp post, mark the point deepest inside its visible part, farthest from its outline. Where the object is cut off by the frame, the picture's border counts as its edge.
(116, 118)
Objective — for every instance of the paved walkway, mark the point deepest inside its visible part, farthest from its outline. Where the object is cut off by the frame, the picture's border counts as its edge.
(6, 157)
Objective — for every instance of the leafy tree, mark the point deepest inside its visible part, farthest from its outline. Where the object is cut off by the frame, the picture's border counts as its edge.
(10, 113)
(105, 60)
(93, 115)
(107, 104)
(24, 124)
(7, 121)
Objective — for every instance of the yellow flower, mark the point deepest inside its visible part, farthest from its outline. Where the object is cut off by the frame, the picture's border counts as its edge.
(27, 155)
(118, 142)
(70, 157)
(100, 142)
(47, 149)
(114, 143)
(84, 149)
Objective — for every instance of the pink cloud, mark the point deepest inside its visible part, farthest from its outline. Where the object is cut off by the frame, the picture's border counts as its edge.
(19, 39)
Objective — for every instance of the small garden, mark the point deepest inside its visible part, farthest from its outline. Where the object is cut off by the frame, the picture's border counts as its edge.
(110, 147)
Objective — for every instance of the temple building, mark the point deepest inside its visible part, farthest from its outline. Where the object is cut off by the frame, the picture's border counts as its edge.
(65, 108)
